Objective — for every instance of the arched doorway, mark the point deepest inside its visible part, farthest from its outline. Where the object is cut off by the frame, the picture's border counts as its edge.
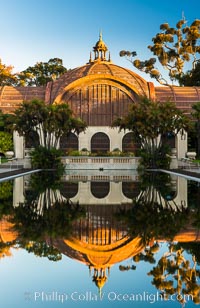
(69, 143)
(100, 143)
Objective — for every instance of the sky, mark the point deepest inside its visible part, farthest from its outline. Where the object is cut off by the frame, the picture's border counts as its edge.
(37, 30)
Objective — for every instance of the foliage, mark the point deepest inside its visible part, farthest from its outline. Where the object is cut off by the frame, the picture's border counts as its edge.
(175, 275)
(160, 158)
(148, 254)
(42, 249)
(6, 121)
(49, 121)
(123, 268)
(5, 249)
(192, 248)
(54, 222)
(40, 181)
(192, 77)
(45, 211)
(7, 78)
(2, 120)
(172, 48)
(151, 123)
(41, 73)
(153, 209)
(6, 142)
(6, 197)
(146, 219)
(43, 185)
(43, 158)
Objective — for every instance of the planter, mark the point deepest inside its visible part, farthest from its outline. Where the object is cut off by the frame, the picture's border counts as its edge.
(9, 154)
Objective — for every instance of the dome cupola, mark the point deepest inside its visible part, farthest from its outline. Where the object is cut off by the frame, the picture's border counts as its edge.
(100, 50)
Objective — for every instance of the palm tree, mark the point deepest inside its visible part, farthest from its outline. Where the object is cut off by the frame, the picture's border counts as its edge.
(151, 122)
(49, 121)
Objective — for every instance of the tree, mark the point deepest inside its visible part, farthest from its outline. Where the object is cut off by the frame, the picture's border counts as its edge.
(174, 274)
(151, 123)
(41, 73)
(2, 121)
(5, 122)
(191, 77)
(49, 121)
(173, 47)
(7, 78)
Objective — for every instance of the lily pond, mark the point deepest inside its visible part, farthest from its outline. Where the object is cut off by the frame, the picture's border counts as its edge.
(100, 239)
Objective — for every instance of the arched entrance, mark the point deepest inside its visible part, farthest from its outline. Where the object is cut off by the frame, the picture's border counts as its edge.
(100, 143)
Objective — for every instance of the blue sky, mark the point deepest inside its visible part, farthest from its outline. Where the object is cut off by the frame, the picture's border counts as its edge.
(37, 30)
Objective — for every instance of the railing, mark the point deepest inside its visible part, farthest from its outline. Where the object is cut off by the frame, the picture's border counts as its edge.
(186, 163)
(12, 165)
(87, 162)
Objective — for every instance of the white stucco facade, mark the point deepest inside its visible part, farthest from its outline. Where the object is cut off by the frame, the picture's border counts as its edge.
(115, 140)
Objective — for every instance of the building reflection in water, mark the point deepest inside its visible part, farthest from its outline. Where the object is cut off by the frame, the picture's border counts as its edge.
(100, 239)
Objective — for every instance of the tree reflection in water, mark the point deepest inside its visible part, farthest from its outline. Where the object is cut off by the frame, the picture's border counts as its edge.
(153, 218)
(152, 215)
(173, 274)
(44, 216)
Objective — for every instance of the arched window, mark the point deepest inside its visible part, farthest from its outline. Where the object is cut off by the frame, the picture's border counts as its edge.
(100, 189)
(98, 104)
(131, 189)
(69, 190)
(69, 142)
(128, 144)
(32, 140)
(100, 143)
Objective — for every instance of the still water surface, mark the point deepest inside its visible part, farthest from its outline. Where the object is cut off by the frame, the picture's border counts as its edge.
(100, 240)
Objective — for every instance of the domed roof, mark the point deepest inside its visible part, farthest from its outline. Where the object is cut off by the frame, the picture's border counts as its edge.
(101, 71)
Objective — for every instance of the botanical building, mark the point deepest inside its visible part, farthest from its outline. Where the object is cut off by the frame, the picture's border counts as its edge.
(98, 92)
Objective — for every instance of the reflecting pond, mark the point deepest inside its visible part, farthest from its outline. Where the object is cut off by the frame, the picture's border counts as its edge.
(98, 239)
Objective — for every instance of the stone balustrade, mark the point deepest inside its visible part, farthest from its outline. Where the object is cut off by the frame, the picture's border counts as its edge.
(100, 163)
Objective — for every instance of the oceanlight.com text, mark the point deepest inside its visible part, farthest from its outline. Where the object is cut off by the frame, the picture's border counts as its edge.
(112, 296)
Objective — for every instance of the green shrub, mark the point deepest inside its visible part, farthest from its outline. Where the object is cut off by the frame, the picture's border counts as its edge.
(6, 142)
(43, 158)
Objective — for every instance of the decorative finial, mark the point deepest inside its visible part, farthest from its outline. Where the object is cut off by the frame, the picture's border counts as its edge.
(100, 35)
